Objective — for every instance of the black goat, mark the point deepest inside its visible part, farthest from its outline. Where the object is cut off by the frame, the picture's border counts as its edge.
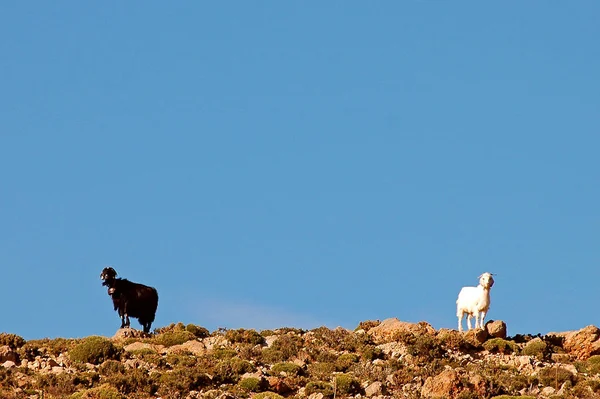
(131, 299)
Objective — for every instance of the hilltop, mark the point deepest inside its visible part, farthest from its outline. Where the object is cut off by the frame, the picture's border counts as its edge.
(389, 359)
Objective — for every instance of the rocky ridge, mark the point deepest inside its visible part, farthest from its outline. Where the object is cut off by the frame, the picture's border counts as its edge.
(380, 360)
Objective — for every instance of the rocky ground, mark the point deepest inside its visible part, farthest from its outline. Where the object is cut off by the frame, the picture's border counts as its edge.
(389, 359)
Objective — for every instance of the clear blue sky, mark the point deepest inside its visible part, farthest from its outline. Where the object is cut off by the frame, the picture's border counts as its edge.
(268, 164)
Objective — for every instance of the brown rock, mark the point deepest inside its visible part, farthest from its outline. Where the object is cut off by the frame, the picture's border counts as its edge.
(124, 333)
(9, 364)
(193, 346)
(476, 336)
(583, 343)
(444, 385)
(278, 385)
(375, 389)
(7, 354)
(389, 329)
(496, 329)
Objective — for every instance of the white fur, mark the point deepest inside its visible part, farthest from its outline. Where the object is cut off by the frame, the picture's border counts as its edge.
(474, 301)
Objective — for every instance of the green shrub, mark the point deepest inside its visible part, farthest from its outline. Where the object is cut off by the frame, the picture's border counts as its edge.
(321, 370)
(244, 336)
(182, 380)
(455, 340)
(111, 367)
(424, 346)
(94, 350)
(367, 325)
(253, 384)
(12, 340)
(591, 365)
(499, 345)
(175, 337)
(371, 352)
(283, 348)
(346, 384)
(104, 391)
(319, 387)
(287, 368)
(554, 376)
(134, 381)
(345, 361)
(224, 353)
(199, 332)
(536, 347)
(338, 339)
(267, 395)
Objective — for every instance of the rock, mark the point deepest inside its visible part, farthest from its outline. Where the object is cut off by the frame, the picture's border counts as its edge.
(496, 329)
(9, 364)
(393, 349)
(583, 343)
(215, 342)
(193, 346)
(316, 395)
(7, 354)
(374, 389)
(278, 385)
(124, 333)
(547, 391)
(476, 336)
(444, 385)
(270, 339)
(389, 330)
(479, 385)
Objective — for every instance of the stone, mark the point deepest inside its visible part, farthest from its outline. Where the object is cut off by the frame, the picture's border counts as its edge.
(476, 336)
(9, 364)
(193, 346)
(6, 354)
(393, 349)
(583, 343)
(278, 385)
(215, 342)
(444, 385)
(374, 389)
(124, 333)
(496, 329)
(389, 329)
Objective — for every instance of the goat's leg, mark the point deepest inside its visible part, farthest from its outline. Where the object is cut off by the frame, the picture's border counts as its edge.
(460, 317)
(469, 317)
(476, 320)
(481, 319)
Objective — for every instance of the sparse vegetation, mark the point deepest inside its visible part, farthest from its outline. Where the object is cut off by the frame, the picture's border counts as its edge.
(335, 363)
(94, 350)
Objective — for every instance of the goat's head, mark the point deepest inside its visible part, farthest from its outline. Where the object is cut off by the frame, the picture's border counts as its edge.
(486, 280)
(108, 274)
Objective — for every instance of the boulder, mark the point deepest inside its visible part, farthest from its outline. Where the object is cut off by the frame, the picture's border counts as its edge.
(476, 336)
(496, 329)
(583, 343)
(193, 346)
(8, 354)
(374, 389)
(389, 330)
(444, 385)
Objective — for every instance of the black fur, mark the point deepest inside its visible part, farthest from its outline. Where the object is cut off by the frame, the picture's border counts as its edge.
(131, 299)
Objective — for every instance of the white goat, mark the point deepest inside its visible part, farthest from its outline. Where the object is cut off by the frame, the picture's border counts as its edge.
(474, 301)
